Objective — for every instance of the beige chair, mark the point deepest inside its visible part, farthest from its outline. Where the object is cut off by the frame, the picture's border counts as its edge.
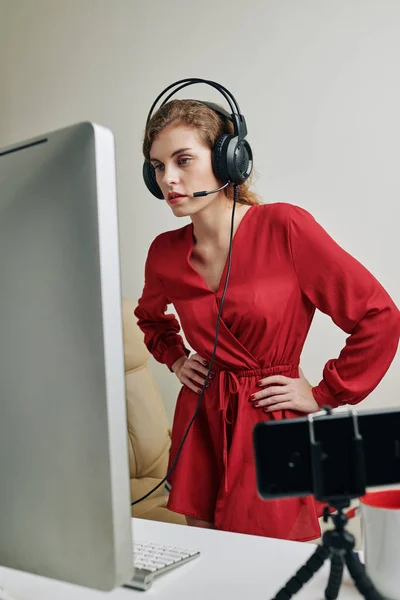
(148, 428)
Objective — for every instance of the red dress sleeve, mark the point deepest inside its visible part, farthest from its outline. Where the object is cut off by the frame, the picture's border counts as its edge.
(161, 331)
(341, 287)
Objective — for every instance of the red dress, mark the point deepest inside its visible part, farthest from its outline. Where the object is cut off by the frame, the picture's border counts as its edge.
(284, 266)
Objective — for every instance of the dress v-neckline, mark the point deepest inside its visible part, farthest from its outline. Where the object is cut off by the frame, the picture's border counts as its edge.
(223, 274)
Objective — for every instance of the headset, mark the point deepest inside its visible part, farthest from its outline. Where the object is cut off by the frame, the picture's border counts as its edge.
(232, 157)
(232, 163)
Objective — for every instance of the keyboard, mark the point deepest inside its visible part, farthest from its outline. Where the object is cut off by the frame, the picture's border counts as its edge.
(151, 560)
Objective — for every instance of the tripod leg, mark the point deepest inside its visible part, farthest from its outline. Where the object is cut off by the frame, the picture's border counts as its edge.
(361, 579)
(335, 577)
(304, 574)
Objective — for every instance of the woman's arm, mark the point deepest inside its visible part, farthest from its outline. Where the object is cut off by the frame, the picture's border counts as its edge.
(161, 331)
(339, 286)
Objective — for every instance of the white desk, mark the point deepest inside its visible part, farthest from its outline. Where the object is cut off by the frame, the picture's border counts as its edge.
(231, 566)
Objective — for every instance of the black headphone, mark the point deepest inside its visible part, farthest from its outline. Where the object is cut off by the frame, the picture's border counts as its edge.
(232, 157)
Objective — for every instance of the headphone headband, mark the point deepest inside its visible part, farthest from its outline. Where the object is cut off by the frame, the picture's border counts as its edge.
(238, 120)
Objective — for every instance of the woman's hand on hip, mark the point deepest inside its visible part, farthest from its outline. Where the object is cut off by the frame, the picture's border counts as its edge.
(191, 371)
(285, 393)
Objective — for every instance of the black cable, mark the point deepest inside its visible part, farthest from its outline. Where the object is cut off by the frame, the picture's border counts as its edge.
(235, 199)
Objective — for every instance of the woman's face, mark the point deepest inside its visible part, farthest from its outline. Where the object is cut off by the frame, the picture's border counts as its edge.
(182, 164)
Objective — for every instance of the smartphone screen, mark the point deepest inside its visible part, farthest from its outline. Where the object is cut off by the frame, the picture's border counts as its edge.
(283, 453)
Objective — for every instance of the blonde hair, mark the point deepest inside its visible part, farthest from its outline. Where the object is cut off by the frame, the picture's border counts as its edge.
(208, 123)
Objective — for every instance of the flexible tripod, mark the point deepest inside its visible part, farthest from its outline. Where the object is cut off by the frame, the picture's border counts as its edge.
(338, 546)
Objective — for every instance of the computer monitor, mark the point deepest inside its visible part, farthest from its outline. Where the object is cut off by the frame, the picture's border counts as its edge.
(64, 477)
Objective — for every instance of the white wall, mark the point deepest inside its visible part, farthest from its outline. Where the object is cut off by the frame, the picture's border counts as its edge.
(317, 81)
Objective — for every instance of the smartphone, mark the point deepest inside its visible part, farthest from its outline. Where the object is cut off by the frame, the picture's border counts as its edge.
(283, 453)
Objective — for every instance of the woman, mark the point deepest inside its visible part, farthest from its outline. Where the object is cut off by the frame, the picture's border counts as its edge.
(284, 266)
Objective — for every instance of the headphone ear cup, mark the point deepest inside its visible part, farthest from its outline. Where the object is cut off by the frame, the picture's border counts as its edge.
(232, 160)
(149, 176)
(218, 157)
(240, 161)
